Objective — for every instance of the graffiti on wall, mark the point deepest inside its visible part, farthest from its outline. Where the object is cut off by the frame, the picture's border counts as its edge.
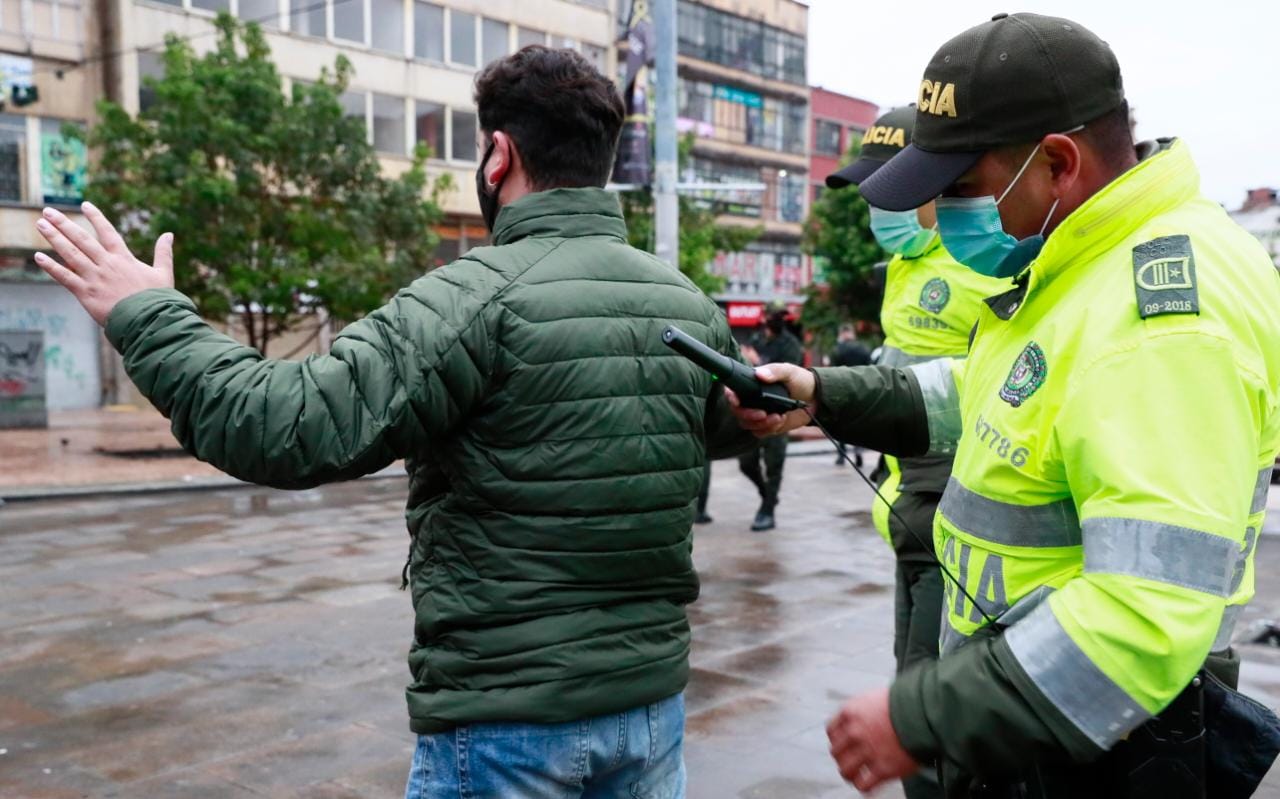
(71, 341)
(22, 379)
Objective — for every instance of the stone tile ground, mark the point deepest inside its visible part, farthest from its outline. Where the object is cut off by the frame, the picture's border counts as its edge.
(247, 643)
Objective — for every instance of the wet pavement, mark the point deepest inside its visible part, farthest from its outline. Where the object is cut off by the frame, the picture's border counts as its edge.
(246, 643)
(105, 446)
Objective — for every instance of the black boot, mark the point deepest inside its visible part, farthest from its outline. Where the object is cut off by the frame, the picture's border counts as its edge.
(764, 520)
(702, 518)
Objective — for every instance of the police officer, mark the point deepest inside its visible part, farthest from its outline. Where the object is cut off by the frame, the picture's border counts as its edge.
(930, 305)
(775, 344)
(1114, 427)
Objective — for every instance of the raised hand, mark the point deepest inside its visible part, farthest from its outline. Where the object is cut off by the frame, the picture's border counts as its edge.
(100, 271)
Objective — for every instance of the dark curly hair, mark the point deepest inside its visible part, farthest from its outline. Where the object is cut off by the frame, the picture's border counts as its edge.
(562, 113)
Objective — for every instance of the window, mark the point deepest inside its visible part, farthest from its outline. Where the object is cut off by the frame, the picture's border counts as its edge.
(428, 31)
(150, 65)
(387, 22)
(307, 17)
(791, 198)
(62, 165)
(494, 44)
(212, 5)
(353, 106)
(462, 38)
(429, 127)
(730, 114)
(464, 136)
(734, 41)
(528, 36)
(596, 55)
(388, 124)
(264, 12)
(348, 20)
(826, 137)
(13, 144)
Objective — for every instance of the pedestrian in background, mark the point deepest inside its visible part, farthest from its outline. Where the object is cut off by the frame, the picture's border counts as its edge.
(849, 352)
(775, 344)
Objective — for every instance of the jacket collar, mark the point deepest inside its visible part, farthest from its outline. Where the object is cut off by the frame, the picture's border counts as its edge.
(1156, 185)
(564, 213)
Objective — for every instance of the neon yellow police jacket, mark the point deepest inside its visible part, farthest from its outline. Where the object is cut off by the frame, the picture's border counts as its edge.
(1114, 430)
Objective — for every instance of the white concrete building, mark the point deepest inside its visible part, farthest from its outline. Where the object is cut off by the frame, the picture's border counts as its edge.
(47, 79)
(415, 62)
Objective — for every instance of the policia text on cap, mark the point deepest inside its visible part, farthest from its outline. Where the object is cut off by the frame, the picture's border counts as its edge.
(1114, 429)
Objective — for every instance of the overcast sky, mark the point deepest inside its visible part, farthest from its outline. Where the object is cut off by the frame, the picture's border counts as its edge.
(1206, 72)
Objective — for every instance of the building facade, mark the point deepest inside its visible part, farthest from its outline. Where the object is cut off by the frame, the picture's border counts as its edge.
(414, 62)
(743, 94)
(838, 121)
(1260, 215)
(414, 66)
(47, 80)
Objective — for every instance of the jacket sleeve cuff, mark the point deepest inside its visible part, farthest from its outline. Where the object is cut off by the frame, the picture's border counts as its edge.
(131, 314)
(906, 713)
(833, 389)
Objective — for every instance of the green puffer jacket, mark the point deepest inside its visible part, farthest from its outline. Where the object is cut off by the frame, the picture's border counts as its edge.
(554, 445)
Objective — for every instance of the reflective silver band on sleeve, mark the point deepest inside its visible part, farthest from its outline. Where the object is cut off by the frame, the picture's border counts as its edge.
(1227, 628)
(1260, 490)
(941, 404)
(892, 356)
(1165, 553)
(1071, 681)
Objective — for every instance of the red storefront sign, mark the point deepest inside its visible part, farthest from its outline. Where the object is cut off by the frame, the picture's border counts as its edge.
(751, 314)
(746, 314)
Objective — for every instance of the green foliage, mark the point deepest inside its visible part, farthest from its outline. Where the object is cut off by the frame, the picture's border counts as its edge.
(276, 203)
(701, 237)
(838, 231)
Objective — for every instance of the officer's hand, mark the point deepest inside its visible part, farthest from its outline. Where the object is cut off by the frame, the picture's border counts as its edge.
(800, 385)
(100, 271)
(864, 744)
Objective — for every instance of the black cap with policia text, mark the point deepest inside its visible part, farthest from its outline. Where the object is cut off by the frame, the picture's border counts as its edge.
(1013, 80)
(887, 136)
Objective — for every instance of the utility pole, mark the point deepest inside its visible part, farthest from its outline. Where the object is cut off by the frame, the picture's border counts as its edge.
(666, 211)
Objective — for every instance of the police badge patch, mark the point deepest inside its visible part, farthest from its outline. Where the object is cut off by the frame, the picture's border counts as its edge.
(935, 295)
(1026, 376)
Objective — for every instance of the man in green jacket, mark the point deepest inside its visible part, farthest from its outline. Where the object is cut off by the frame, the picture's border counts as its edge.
(554, 447)
(1114, 430)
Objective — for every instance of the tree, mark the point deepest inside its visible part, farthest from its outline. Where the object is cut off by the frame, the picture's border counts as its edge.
(701, 237)
(838, 231)
(277, 203)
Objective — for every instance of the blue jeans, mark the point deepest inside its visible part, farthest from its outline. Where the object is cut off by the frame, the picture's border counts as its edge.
(636, 754)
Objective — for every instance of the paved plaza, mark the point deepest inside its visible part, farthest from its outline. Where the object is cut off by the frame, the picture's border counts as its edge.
(249, 642)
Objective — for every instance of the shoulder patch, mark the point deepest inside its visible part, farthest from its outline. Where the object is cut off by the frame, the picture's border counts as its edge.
(1164, 277)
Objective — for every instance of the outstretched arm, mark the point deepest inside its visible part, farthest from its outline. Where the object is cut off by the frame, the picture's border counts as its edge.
(397, 379)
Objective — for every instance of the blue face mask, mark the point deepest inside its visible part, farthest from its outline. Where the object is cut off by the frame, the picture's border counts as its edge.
(974, 235)
(900, 232)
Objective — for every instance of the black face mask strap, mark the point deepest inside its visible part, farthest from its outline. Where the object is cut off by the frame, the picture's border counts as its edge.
(488, 200)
